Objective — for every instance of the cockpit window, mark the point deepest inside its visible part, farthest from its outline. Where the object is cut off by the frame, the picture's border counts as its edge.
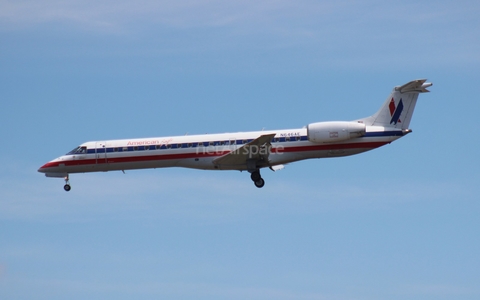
(78, 150)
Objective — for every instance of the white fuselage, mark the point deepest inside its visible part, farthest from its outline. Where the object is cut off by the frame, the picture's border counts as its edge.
(249, 151)
(199, 151)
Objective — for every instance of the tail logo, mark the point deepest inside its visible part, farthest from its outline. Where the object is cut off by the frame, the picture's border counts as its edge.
(395, 111)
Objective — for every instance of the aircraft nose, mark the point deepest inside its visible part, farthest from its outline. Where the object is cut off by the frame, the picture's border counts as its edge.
(42, 169)
(46, 167)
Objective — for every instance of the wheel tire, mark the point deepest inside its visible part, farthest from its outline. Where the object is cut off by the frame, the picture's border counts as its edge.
(67, 187)
(255, 176)
(260, 183)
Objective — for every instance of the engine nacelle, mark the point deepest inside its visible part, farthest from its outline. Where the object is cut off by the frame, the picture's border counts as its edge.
(329, 132)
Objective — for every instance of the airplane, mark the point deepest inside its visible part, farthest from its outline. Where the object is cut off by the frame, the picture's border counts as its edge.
(247, 151)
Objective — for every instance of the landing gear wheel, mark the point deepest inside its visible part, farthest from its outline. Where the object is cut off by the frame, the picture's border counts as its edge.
(259, 183)
(255, 176)
(67, 186)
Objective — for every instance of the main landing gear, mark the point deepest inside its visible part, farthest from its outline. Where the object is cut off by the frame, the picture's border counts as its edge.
(257, 179)
(67, 186)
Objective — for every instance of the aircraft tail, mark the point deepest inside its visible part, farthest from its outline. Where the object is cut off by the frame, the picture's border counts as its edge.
(398, 109)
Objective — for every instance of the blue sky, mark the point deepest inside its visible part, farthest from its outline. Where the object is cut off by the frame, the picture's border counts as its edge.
(397, 222)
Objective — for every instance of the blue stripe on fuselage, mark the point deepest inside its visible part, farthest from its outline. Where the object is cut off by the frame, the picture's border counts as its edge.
(384, 133)
(121, 149)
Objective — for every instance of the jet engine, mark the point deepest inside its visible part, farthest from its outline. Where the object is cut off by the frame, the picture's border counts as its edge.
(329, 132)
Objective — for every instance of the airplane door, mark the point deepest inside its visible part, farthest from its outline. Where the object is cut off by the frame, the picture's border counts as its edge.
(100, 153)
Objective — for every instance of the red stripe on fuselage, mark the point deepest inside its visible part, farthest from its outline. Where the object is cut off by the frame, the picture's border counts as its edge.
(277, 150)
(127, 159)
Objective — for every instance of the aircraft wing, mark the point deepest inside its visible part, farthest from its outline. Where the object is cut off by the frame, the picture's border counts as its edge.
(256, 150)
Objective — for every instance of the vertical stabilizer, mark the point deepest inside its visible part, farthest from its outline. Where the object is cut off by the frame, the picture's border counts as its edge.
(398, 109)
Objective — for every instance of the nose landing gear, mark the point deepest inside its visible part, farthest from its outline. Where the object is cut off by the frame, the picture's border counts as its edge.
(67, 186)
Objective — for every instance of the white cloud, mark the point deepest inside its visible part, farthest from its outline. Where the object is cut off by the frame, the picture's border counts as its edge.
(210, 13)
(278, 17)
(348, 34)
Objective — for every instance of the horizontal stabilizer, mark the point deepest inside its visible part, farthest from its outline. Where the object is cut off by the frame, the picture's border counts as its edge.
(417, 86)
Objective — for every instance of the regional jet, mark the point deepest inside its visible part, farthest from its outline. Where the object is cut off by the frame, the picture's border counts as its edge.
(246, 151)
